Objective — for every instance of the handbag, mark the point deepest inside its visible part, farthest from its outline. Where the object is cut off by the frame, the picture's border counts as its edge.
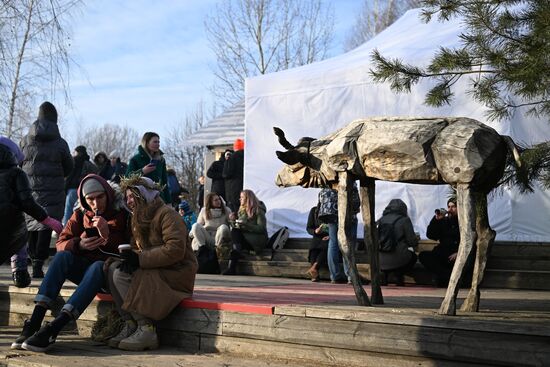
(328, 206)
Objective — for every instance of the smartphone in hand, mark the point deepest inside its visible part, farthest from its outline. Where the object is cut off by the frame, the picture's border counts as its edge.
(91, 232)
(154, 162)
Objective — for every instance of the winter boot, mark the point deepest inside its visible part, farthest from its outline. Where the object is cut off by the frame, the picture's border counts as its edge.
(26, 333)
(37, 271)
(145, 337)
(129, 327)
(41, 341)
(21, 278)
(234, 260)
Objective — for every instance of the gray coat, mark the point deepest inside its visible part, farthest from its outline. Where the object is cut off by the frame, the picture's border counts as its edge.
(404, 233)
(47, 161)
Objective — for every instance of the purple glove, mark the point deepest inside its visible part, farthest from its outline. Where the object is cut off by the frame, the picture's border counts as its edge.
(53, 224)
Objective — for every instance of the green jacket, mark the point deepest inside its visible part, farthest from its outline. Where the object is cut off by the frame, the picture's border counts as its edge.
(140, 160)
(254, 229)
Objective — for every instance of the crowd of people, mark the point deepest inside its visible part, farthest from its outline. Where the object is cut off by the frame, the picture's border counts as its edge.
(125, 230)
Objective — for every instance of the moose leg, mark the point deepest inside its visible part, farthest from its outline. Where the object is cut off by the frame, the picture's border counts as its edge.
(466, 222)
(485, 238)
(345, 183)
(366, 192)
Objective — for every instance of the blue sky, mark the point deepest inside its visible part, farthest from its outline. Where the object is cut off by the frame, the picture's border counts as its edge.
(147, 63)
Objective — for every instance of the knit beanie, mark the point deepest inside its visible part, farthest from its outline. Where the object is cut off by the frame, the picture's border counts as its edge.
(185, 206)
(48, 112)
(92, 185)
(238, 144)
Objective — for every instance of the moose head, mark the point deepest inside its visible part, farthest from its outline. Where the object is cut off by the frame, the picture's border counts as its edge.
(305, 165)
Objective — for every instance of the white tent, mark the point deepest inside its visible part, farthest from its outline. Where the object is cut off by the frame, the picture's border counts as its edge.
(319, 98)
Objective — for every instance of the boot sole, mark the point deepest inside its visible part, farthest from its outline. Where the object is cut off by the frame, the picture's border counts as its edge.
(15, 345)
(34, 348)
(137, 347)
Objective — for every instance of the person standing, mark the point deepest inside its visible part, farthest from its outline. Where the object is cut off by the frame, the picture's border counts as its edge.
(118, 168)
(16, 199)
(215, 172)
(47, 162)
(233, 175)
(401, 260)
(149, 162)
(157, 273)
(82, 168)
(103, 165)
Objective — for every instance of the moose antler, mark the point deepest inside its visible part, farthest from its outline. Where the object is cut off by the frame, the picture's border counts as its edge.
(282, 140)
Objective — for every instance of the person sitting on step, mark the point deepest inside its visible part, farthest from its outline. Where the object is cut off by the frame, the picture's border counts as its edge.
(317, 255)
(402, 259)
(157, 273)
(189, 217)
(212, 226)
(94, 230)
(443, 228)
(248, 230)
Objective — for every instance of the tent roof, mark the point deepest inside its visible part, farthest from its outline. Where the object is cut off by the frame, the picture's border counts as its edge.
(223, 129)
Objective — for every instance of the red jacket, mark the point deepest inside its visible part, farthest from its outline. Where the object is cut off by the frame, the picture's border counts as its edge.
(117, 219)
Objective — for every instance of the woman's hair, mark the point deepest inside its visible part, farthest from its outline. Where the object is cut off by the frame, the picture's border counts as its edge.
(143, 215)
(147, 138)
(251, 203)
(208, 204)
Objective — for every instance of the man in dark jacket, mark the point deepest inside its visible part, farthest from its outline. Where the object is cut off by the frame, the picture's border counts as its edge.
(233, 175)
(82, 168)
(443, 228)
(16, 199)
(215, 172)
(93, 232)
(47, 161)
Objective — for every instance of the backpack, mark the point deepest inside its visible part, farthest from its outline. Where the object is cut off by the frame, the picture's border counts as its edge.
(387, 240)
(278, 240)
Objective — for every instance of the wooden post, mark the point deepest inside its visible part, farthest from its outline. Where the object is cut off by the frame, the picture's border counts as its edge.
(366, 192)
(345, 183)
(485, 240)
(466, 222)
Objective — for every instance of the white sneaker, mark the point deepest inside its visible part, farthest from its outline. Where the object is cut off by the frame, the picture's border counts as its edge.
(128, 329)
(144, 338)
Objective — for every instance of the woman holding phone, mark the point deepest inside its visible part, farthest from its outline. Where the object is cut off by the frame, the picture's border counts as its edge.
(149, 162)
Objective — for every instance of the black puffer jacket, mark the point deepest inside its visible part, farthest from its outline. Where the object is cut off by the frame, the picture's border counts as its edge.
(47, 162)
(215, 172)
(15, 195)
(233, 174)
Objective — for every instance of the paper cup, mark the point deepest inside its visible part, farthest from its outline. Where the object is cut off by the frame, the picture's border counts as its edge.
(124, 247)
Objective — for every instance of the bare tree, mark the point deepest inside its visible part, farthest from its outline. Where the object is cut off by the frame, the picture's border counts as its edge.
(35, 60)
(374, 17)
(253, 37)
(187, 160)
(108, 138)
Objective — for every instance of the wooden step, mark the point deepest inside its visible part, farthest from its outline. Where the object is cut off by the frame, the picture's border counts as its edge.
(519, 263)
(516, 279)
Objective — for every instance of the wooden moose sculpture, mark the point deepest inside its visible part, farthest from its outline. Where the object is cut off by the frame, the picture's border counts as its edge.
(461, 152)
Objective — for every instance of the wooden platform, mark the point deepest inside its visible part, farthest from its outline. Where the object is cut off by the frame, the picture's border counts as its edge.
(319, 323)
(510, 266)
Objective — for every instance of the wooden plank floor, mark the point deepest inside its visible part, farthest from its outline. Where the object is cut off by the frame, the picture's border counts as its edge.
(321, 322)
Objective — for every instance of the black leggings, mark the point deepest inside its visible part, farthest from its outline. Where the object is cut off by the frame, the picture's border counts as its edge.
(39, 244)
(238, 239)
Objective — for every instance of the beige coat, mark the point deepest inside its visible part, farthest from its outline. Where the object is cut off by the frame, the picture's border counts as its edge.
(167, 268)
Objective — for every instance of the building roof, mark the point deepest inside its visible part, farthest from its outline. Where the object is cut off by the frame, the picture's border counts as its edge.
(223, 129)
